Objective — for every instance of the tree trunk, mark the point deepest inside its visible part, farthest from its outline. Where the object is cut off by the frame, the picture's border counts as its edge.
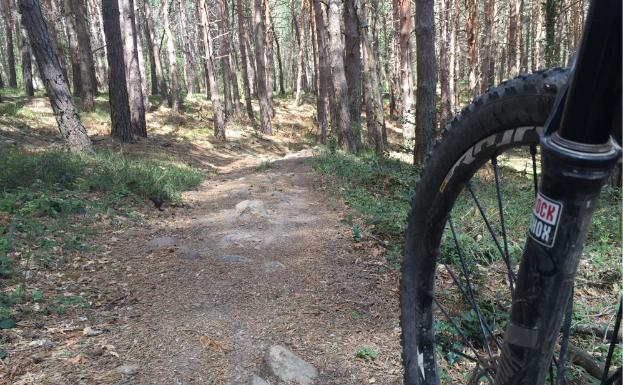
(224, 55)
(487, 69)
(117, 86)
(537, 30)
(139, 53)
(77, 22)
(445, 109)
(340, 86)
(217, 109)
(425, 111)
(322, 101)
(374, 106)
(100, 55)
(242, 37)
(29, 89)
(65, 112)
(49, 7)
(158, 82)
(8, 31)
(186, 68)
(132, 69)
(259, 35)
(74, 48)
(551, 16)
(268, 46)
(300, 57)
(172, 55)
(524, 38)
(471, 18)
(352, 63)
(233, 60)
(279, 63)
(406, 79)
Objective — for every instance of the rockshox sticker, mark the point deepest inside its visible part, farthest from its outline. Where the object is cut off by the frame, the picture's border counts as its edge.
(545, 218)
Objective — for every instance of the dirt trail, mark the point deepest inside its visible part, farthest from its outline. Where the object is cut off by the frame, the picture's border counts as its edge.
(254, 258)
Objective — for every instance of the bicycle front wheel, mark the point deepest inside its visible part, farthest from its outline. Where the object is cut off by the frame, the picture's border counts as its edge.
(463, 242)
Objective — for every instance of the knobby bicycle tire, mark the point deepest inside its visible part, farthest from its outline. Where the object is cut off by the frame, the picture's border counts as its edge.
(510, 115)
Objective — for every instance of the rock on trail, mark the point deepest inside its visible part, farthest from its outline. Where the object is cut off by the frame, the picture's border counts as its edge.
(287, 366)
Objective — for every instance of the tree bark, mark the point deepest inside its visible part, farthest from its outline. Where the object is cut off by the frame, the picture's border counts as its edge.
(235, 90)
(259, 35)
(282, 91)
(217, 109)
(172, 56)
(98, 41)
(425, 111)
(51, 14)
(29, 89)
(140, 41)
(471, 18)
(132, 68)
(224, 55)
(268, 51)
(8, 31)
(76, 20)
(185, 48)
(243, 36)
(117, 86)
(487, 69)
(551, 16)
(445, 109)
(374, 106)
(322, 101)
(406, 78)
(65, 112)
(74, 54)
(352, 63)
(340, 86)
(537, 29)
(158, 82)
(301, 56)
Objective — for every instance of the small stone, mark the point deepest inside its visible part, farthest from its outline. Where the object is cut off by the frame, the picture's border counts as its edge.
(252, 207)
(255, 380)
(189, 253)
(272, 266)
(287, 366)
(233, 258)
(162, 242)
(127, 369)
(45, 344)
(90, 332)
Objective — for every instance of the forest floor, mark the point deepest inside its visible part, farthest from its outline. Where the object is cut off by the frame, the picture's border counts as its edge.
(179, 260)
(255, 256)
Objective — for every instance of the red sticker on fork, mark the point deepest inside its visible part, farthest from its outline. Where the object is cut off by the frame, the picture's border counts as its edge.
(545, 218)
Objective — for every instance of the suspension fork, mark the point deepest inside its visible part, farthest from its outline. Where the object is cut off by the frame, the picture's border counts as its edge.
(577, 155)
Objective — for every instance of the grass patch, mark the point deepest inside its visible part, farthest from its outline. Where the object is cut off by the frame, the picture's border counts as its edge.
(50, 199)
(264, 166)
(380, 190)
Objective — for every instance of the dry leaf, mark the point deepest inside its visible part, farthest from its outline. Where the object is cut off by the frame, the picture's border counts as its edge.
(212, 344)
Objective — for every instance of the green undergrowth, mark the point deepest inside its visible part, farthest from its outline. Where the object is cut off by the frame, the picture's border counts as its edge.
(51, 200)
(380, 190)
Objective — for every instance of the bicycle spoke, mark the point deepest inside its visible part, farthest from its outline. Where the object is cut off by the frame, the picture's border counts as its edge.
(470, 291)
(564, 344)
(494, 162)
(495, 239)
(617, 325)
(534, 176)
(458, 329)
(458, 284)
